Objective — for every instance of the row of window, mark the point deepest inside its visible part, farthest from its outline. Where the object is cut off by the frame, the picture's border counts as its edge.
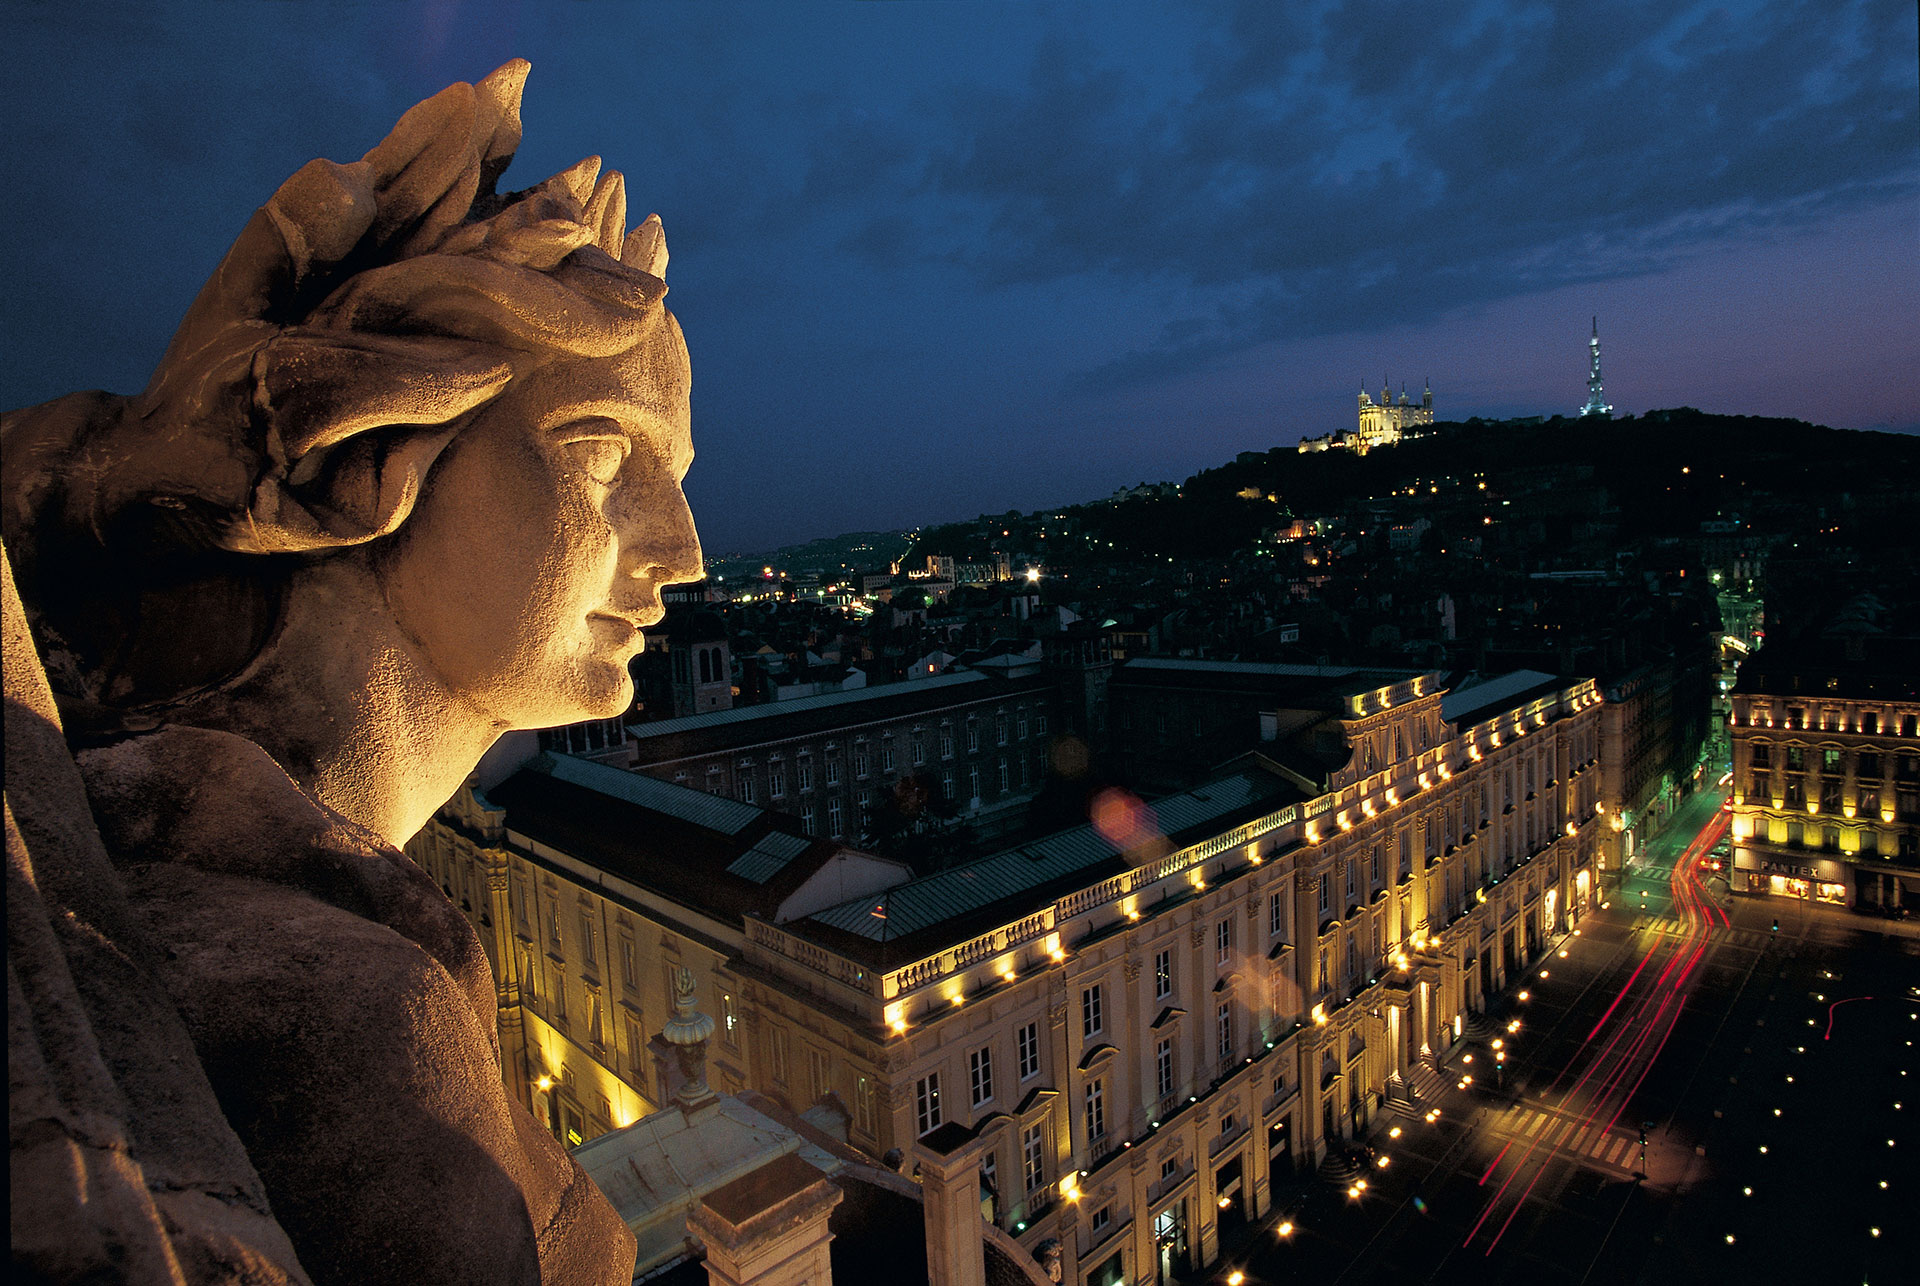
(1871, 723)
(1866, 799)
(1872, 844)
(1866, 763)
(928, 1113)
(803, 775)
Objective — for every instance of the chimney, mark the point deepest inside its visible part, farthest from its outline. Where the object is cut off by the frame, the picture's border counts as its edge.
(949, 1161)
(769, 1226)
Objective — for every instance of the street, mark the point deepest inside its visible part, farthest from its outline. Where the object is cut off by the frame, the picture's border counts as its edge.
(1767, 1068)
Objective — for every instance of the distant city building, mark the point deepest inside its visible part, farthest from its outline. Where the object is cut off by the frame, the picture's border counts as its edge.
(830, 760)
(1653, 728)
(1382, 424)
(1826, 773)
(687, 667)
(1596, 400)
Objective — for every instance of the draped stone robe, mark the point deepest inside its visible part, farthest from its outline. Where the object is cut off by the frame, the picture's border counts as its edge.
(249, 1041)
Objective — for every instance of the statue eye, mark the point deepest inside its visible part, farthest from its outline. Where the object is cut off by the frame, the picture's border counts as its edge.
(601, 458)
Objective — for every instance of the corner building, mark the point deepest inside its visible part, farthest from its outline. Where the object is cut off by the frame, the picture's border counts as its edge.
(1826, 774)
(1146, 1022)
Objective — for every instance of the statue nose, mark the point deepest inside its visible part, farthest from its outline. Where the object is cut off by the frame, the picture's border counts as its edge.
(665, 548)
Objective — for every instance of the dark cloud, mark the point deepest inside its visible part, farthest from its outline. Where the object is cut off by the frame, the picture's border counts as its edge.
(936, 259)
(1412, 160)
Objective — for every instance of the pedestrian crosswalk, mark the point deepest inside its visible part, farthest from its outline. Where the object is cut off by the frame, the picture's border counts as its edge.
(1674, 924)
(1544, 1128)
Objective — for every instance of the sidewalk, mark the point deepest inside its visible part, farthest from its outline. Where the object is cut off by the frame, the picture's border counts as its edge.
(1797, 916)
(1331, 1227)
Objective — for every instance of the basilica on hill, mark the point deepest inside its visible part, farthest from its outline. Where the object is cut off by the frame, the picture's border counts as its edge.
(1382, 423)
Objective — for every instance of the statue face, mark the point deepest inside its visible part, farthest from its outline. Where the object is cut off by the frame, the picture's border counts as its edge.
(545, 532)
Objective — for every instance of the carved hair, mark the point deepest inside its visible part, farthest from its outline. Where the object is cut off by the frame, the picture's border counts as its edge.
(362, 314)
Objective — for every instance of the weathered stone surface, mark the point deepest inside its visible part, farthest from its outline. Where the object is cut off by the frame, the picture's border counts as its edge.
(407, 478)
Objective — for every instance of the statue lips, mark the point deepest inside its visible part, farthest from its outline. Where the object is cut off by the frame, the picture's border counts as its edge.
(618, 627)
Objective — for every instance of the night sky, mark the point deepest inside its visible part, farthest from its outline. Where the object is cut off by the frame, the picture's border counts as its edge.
(935, 259)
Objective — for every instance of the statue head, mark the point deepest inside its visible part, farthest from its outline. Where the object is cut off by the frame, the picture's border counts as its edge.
(477, 399)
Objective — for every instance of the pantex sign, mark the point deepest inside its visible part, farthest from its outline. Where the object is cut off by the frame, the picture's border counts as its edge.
(1818, 869)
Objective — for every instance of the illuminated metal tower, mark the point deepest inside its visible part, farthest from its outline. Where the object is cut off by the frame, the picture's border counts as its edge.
(1596, 401)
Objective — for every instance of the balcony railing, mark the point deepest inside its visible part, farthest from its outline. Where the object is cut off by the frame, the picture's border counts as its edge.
(855, 985)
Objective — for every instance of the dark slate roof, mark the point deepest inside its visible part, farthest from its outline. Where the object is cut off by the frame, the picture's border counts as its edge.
(1297, 687)
(1500, 693)
(921, 915)
(768, 857)
(1882, 669)
(724, 858)
(743, 726)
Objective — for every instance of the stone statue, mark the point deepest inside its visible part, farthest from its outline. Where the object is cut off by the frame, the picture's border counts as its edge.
(407, 477)
(1050, 1254)
(687, 1032)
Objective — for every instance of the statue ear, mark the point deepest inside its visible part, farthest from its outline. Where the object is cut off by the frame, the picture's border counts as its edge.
(352, 424)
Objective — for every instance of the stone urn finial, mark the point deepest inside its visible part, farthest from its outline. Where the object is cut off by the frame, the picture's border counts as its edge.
(688, 1032)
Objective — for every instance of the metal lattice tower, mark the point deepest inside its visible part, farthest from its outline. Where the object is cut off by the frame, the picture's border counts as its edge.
(1596, 400)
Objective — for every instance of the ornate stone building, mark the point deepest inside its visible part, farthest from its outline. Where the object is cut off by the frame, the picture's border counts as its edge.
(1144, 1021)
(1826, 773)
(1381, 424)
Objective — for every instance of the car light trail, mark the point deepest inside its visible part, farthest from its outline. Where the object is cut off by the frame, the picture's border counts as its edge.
(1835, 1005)
(1617, 1070)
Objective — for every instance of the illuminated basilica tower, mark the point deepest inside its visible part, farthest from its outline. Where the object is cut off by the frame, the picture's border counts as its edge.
(1596, 401)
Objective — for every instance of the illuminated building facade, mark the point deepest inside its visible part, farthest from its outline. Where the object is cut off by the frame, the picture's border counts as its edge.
(1385, 422)
(1381, 424)
(1826, 773)
(587, 885)
(1146, 1021)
